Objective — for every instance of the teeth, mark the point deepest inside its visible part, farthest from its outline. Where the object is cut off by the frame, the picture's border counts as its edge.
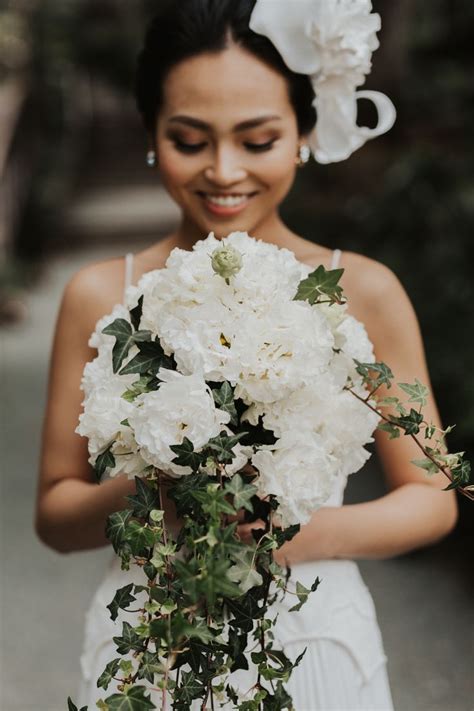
(227, 201)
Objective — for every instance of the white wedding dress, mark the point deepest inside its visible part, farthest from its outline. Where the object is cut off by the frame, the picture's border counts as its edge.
(344, 667)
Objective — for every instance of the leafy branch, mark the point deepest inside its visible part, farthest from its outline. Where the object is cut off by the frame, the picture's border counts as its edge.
(204, 595)
(408, 419)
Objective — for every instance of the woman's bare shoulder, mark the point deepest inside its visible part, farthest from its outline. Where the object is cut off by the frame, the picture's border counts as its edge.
(94, 290)
(376, 296)
(367, 278)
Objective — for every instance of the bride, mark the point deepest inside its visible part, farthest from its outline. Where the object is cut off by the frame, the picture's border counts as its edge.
(228, 91)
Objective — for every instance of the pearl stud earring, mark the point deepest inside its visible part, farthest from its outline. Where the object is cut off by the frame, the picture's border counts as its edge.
(151, 159)
(303, 155)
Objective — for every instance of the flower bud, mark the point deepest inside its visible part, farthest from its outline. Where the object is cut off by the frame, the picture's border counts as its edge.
(226, 261)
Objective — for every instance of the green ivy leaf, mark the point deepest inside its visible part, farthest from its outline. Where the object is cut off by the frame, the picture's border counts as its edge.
(222, 445)
(245, 611)
(241, 492)
(243, 571)
(121, 601)
(224, 399)
(116, 527)
(286, 534)
(237, 647)
(461, 475)
(136, 314)
(126, 667)
(383, 374)
(429, 431)
(207, 581)
(183, 629)
(418, 392)
(320, 283)
(182, 493)
(145, 500)
(426, 464)
(149, 666)
(123, 332)
(72, 706)
(144, 384)
(410, 422)
(279, 700)
(187, 457)
(213, 501)
(303, 593)
(133, 699)
(104, 461)
(388, 401)
(150, 358)
(108, 674)
(150, 570)
(139, 537)
(392, 430)
(129, 641)
(189, 688)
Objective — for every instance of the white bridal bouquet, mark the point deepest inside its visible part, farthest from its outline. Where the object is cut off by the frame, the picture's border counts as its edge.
(235, 380)
(228, 323)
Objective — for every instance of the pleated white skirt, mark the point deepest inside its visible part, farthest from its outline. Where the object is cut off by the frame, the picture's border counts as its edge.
(343, 669)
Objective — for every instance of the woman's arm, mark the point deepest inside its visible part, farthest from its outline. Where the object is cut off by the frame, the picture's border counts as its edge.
(415, 512)
(72, 508)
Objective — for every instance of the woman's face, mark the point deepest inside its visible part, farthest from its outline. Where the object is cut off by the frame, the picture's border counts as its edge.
(226, 140)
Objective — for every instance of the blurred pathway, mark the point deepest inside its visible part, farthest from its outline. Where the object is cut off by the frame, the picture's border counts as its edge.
(423, 600)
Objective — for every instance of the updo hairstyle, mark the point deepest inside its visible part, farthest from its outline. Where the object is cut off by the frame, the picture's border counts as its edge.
(187, 28)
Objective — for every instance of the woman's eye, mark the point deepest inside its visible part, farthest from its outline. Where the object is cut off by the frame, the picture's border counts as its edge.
(188, 147)
(257, 147)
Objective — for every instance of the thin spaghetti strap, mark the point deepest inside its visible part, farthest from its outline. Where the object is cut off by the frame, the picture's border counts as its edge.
(336, 257)
(128, 272)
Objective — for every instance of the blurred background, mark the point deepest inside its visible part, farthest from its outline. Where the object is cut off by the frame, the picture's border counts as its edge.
(74, 189)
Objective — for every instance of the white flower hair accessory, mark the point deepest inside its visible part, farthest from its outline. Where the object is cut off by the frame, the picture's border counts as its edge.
(332, 42)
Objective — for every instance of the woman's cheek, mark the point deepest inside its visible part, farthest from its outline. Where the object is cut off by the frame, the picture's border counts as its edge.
(173, 170)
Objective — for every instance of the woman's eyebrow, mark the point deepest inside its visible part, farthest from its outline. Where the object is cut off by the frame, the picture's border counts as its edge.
(242, 126)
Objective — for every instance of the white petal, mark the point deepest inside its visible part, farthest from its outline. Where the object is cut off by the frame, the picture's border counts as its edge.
(285, 27)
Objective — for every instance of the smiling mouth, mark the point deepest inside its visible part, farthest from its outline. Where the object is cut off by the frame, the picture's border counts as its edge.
(228, 200)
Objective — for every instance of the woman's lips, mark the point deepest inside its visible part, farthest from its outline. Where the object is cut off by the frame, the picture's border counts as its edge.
(225, 205)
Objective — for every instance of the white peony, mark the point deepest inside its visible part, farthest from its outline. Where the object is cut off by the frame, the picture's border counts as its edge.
(280, 351)
(104, 410)
(299, 471)
(183, 406)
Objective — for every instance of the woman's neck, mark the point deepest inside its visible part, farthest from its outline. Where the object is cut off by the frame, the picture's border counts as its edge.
(271, 229)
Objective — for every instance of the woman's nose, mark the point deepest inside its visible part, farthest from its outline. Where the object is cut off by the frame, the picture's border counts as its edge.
(225, 169)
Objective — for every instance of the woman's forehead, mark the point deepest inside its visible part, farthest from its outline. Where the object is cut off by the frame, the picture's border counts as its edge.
(232, 81)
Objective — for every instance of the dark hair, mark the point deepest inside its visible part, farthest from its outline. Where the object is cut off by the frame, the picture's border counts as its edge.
(186, 28)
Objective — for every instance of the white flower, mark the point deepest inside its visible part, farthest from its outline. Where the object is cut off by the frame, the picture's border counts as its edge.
(331, 41)
(104, 410)
(128, 459)
(182, 407)
(299, 471)
(354, 343)
(104, 407)
(280, 351)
